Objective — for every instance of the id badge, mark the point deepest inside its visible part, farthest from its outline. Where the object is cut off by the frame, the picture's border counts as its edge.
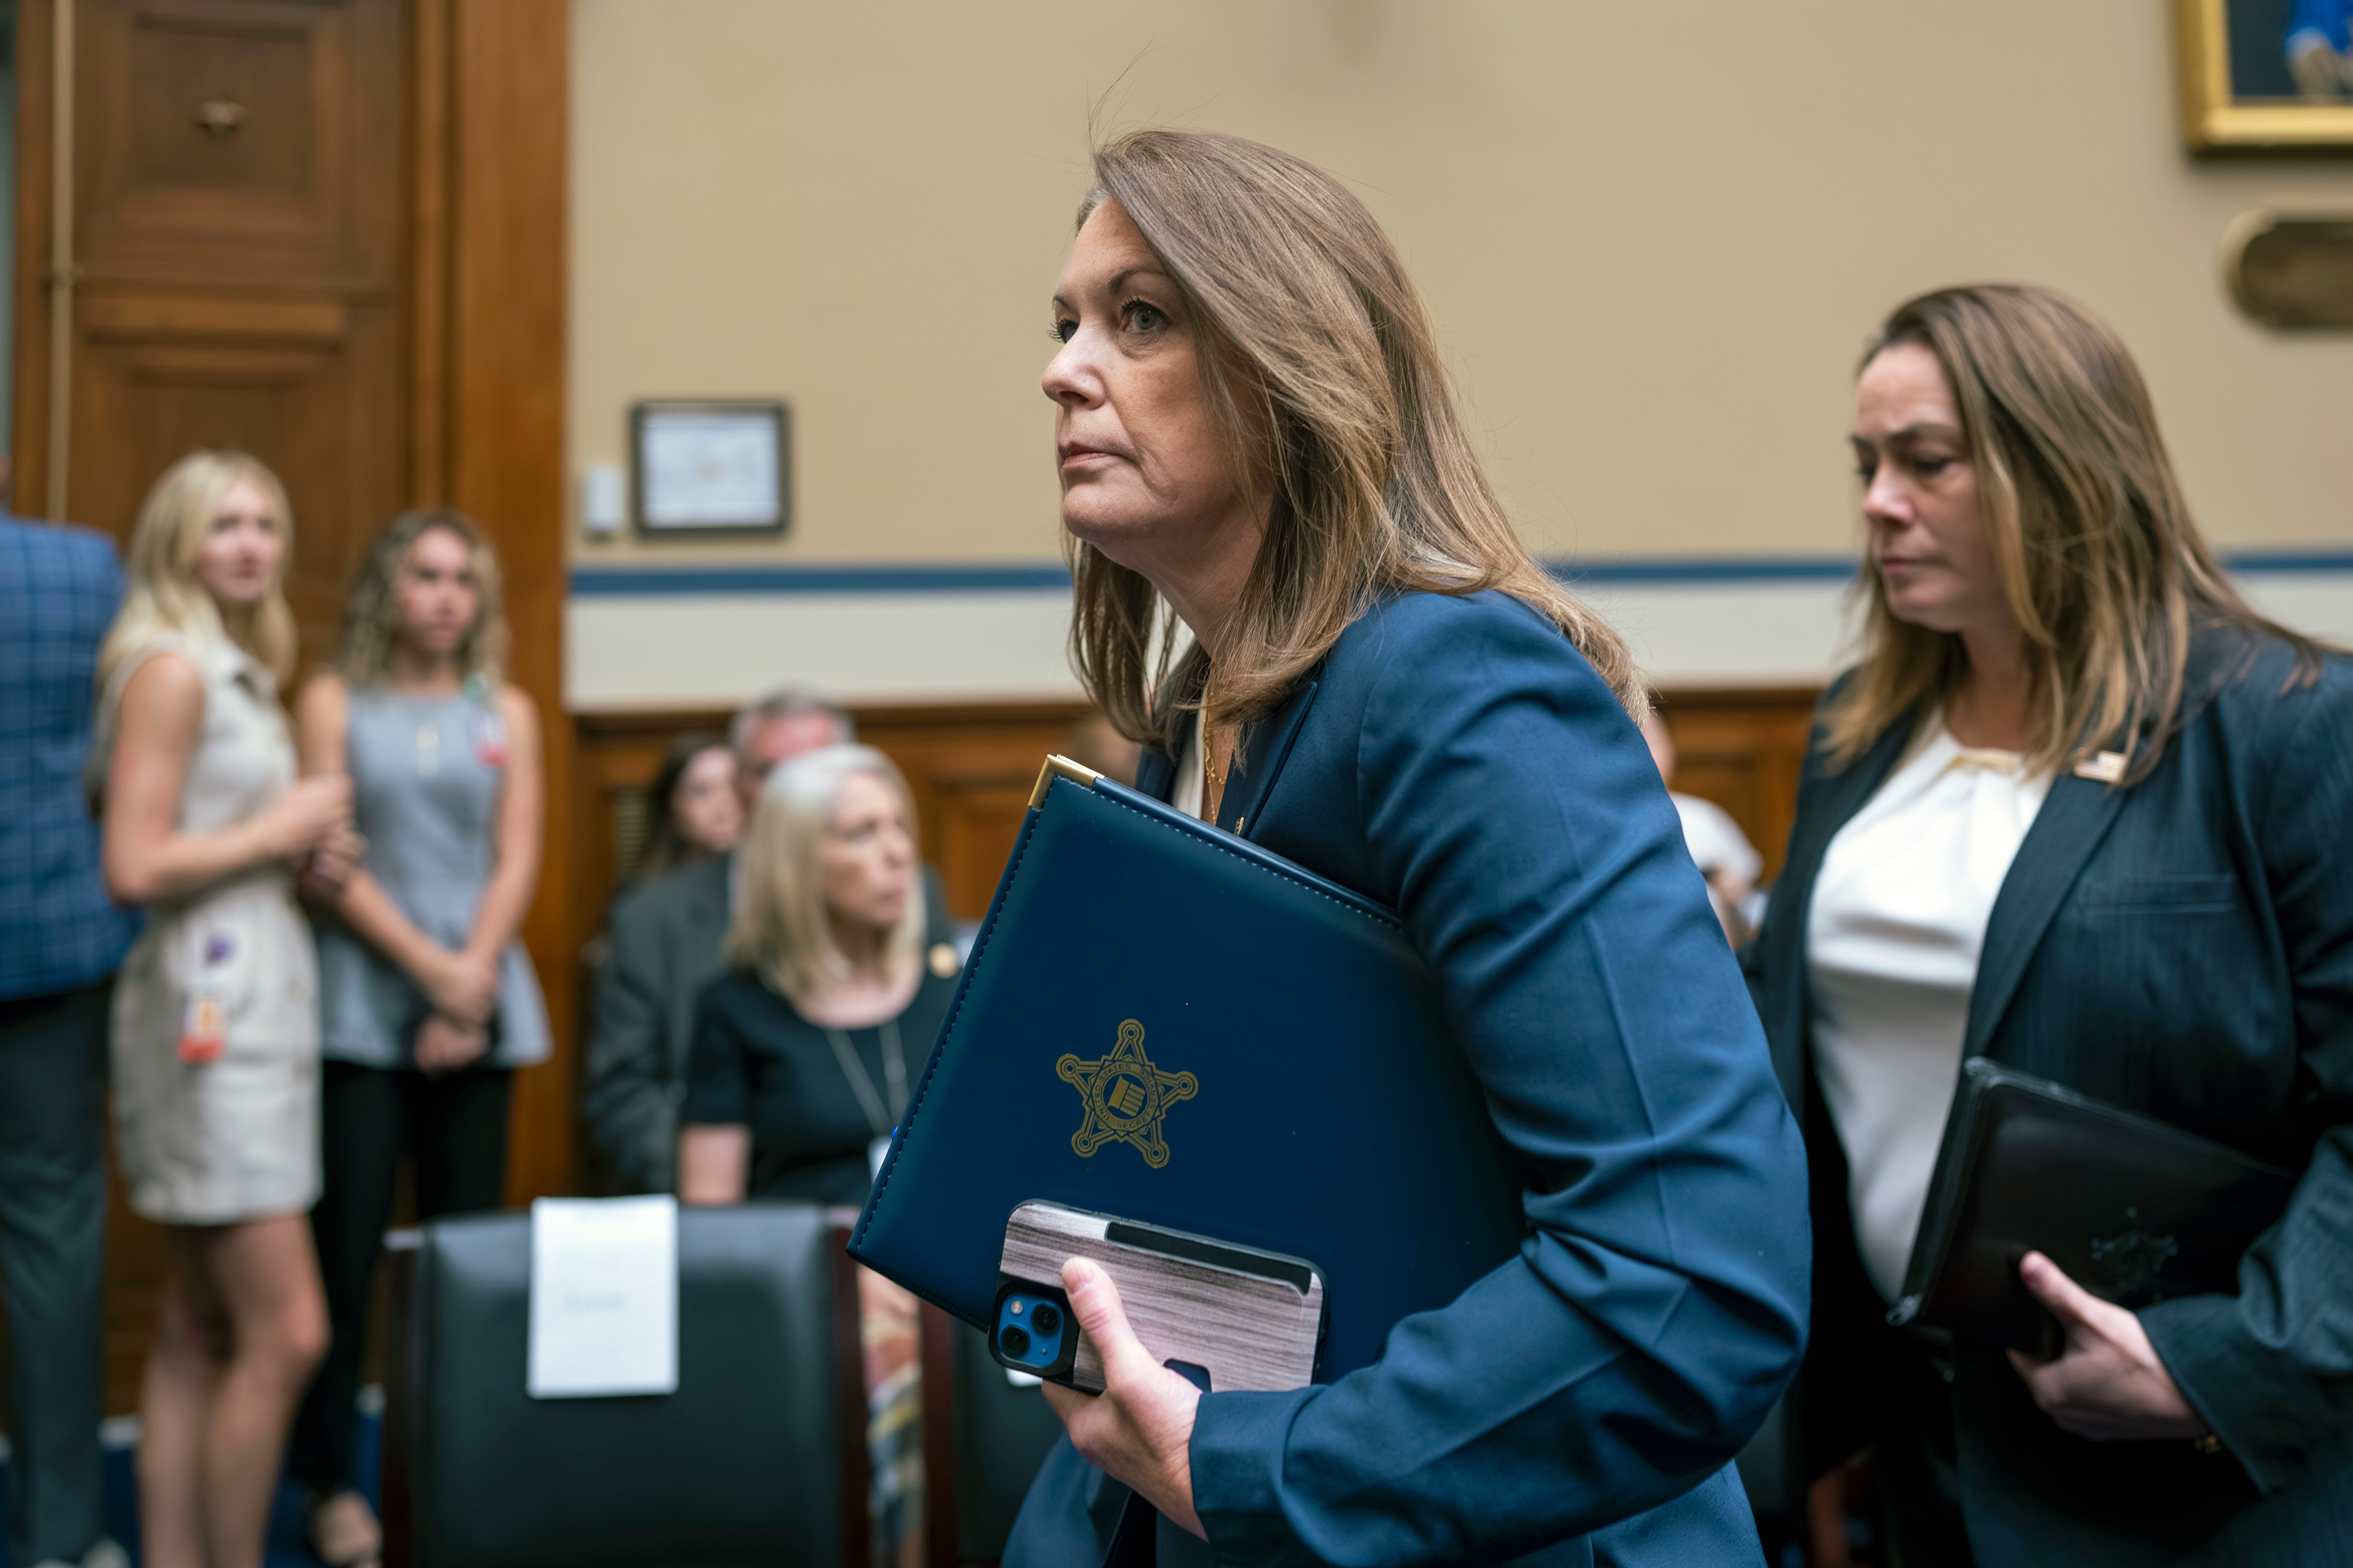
(204, 1027)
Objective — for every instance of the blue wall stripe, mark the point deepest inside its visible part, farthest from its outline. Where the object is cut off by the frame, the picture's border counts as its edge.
(1708, 569)
(2288, 560)
(597, 583)
(1018, 577)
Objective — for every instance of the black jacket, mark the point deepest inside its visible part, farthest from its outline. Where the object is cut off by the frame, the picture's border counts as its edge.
(2183, 947)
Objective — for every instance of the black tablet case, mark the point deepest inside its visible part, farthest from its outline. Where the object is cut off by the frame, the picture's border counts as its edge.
(2134, 1210)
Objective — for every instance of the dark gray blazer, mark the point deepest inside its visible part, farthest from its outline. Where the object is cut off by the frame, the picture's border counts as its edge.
(2183, 947)
(665, 940)
(665, 937)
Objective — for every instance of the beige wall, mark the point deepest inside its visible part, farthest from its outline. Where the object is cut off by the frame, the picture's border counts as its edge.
(1654, 236)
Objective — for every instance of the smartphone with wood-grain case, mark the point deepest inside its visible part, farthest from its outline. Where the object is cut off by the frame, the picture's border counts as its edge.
(1245, 1319)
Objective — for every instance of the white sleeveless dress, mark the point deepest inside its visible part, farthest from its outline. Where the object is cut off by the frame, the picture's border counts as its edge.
(236, 1138)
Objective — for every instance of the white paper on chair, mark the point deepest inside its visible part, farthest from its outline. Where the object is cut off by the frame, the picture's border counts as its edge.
(604, 1297)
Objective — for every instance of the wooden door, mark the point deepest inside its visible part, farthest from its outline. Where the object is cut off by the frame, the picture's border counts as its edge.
(265, 245)
(236, 234)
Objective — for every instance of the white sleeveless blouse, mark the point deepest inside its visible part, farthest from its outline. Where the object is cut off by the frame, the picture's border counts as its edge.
(1892, 940)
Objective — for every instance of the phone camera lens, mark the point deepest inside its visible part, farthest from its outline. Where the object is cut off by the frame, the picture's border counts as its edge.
(1015, 1340)
(1048, 1321)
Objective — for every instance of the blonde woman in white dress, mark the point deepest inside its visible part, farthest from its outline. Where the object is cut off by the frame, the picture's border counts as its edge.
(215, 1029)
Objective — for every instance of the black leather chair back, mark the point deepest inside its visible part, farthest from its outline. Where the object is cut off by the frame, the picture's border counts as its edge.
(739, 1466)
(1002, 1433)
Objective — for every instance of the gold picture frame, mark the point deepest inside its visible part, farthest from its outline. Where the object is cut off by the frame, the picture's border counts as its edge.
(2218, 116)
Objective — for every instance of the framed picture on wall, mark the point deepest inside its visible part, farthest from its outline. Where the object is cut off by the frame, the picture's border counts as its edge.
(713, 467)
(2266, 74)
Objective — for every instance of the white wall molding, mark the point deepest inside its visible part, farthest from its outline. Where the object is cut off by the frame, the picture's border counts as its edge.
(930, 632)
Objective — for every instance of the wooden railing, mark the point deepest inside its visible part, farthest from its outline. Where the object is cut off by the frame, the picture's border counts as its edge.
(971, 766)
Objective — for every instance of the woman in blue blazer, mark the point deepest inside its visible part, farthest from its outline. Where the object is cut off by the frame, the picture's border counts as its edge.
(1255, 438)
(2080, 810)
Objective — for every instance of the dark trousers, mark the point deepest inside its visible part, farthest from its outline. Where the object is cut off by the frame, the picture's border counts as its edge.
(1915, 1467)
(53, 1261)
(456, 1128)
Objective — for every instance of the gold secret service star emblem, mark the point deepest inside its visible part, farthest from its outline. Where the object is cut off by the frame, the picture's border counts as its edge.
(1125, 1097)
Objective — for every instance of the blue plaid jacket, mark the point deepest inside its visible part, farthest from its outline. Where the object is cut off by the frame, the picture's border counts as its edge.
(60, 588)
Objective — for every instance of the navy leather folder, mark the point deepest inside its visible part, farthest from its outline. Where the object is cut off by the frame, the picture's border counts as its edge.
(1164, 1022)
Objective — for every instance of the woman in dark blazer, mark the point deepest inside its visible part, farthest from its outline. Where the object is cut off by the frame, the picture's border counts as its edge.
(2080, 810)
(1254, 433)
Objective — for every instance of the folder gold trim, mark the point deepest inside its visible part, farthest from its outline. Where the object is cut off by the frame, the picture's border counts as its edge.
(1060, 767)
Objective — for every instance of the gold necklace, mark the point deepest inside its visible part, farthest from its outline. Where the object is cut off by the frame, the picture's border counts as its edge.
(1215, 794)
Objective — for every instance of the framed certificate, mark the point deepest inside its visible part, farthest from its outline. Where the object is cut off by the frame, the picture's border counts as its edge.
(706, 467)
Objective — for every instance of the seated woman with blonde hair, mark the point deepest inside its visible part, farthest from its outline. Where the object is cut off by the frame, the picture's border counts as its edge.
(801, 1057)
(802, 1049)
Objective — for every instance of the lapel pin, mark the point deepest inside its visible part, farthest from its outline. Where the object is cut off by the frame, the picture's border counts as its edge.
(2108, 767)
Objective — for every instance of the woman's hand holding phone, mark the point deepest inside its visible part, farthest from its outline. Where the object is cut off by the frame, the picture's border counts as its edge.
(1139, 1430)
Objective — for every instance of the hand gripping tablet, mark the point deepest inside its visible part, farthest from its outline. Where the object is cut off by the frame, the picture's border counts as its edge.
(1250, 1320)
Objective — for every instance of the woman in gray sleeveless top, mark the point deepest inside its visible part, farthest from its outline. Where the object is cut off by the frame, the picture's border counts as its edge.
(427, 998)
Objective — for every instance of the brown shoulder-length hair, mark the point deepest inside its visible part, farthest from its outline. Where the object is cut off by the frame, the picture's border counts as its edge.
(372, 614)
(666, 849)
(2100, 561)
(1321, 369)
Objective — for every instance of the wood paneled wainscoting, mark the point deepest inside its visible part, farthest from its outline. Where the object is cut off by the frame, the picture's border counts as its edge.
(1745, 748)
(970, 767)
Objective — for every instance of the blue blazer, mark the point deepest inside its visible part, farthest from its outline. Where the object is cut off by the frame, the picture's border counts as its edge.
(1457, 758)
(2183, 947)
(60, 588)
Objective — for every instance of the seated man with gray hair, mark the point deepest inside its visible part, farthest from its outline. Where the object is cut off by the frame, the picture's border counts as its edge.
(664, 941)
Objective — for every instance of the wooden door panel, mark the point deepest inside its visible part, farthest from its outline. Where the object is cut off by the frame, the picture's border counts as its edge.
(215, 320)
(248, 83)
(1745, 750)
(979, 819)
(311, 387)
(241, 139)
(290, 199)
